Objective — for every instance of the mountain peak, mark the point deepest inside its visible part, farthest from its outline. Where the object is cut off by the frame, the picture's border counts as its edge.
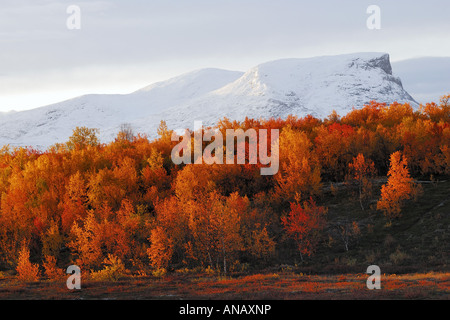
(307, 86)
(277, 88)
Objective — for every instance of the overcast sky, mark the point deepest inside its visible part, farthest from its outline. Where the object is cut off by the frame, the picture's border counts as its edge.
(124, 45)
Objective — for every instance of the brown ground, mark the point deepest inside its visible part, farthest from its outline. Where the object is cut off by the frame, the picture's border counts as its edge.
(275, 286)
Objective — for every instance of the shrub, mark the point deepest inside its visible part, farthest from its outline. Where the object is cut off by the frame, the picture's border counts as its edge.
(159, 273)
(389, 241)
(26, 271)
(114, 270)
(398, 257)
(51, 270)
(399, 187)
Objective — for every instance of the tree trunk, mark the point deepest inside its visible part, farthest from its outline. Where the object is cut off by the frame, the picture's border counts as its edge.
(224, 258)
(360, 196)
(301, 256)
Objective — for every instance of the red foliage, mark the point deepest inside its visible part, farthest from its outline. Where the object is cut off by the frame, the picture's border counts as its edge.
(303, 224)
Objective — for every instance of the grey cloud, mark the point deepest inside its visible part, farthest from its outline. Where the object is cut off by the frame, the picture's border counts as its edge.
(230, 34)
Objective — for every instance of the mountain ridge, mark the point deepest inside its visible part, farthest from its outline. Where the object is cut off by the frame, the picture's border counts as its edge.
(297, 86)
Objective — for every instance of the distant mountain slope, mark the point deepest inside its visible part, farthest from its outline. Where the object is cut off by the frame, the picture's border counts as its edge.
(274, 89)
(427, 79)
(44, 126)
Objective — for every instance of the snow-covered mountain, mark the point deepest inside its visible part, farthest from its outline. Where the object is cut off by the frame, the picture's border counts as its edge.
(274, 89)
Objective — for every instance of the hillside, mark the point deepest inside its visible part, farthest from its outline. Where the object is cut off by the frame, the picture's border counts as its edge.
(417, 242)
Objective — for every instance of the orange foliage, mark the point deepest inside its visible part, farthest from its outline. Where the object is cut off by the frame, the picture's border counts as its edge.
(399, 188)
(299, 167)
(129, 200)
(161, 249)
(361, 171)
(26, 271)
(333, 147)
(51, 270)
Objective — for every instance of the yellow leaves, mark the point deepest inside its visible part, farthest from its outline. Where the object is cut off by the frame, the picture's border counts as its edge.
(227, 224)
(215, 227)
(26, 271)
(154, 177)
(395, 113)
(209, 230)
(155, 160)
(362, 171)
(83, 137)
(87, 241)
(76, 187)
(113, 270)
(300, 169)
(52, 240)
(105, 187)
(194, 182)
(261, 245)
(163, 131)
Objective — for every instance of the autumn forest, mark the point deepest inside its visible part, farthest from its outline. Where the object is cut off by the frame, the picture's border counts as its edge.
(124, 208)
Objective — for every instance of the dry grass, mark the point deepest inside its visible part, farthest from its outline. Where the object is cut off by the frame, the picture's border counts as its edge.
(286, 285)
